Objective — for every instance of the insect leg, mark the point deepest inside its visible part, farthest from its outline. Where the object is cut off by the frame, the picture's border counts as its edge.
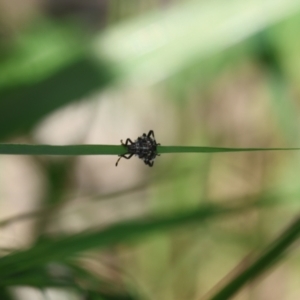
(150, 163)
(127, 157)
(127, 141)
(118, 160)
(124, 156)
(151, 133)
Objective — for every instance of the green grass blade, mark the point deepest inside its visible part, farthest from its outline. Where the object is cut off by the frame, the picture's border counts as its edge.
(179, 36)
(182, 149)
(97, 287)
(64, 248)
(38, 280)
(4, 294)
(23, 149)
(68, 276)
(34, 102)
(266, 260)
(40, 50)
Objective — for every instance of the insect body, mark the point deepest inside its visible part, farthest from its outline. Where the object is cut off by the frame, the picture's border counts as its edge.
(144, 147)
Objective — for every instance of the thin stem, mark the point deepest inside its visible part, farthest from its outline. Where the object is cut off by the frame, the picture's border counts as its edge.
(23, 149)
(27, 149)
(265, 261)
(182, 149)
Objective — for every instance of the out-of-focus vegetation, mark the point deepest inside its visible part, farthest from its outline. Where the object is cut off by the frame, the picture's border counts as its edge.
(195, 226)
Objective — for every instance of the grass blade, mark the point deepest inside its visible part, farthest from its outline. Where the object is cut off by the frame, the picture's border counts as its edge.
(266, 260)
(179, 36)
(182, 149)
(23, 149)
(64, 248)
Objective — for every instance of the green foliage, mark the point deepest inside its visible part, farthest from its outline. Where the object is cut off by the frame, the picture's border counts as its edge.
(191, 238)
(24, 149)
(266, 260)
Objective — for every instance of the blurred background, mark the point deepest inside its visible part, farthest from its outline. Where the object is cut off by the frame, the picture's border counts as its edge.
(202, 73)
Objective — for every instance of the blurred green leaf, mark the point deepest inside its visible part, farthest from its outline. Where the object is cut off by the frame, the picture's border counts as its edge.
(67, 276)
(266, 260)
(39, 51)
(4, 294)
(63, 248)
(98, 288)
(38, 278)
(21, 108)
(91, 295)
(160, 44)
(48, 67)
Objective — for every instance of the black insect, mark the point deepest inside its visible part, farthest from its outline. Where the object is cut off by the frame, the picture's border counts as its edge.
(144, 147)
